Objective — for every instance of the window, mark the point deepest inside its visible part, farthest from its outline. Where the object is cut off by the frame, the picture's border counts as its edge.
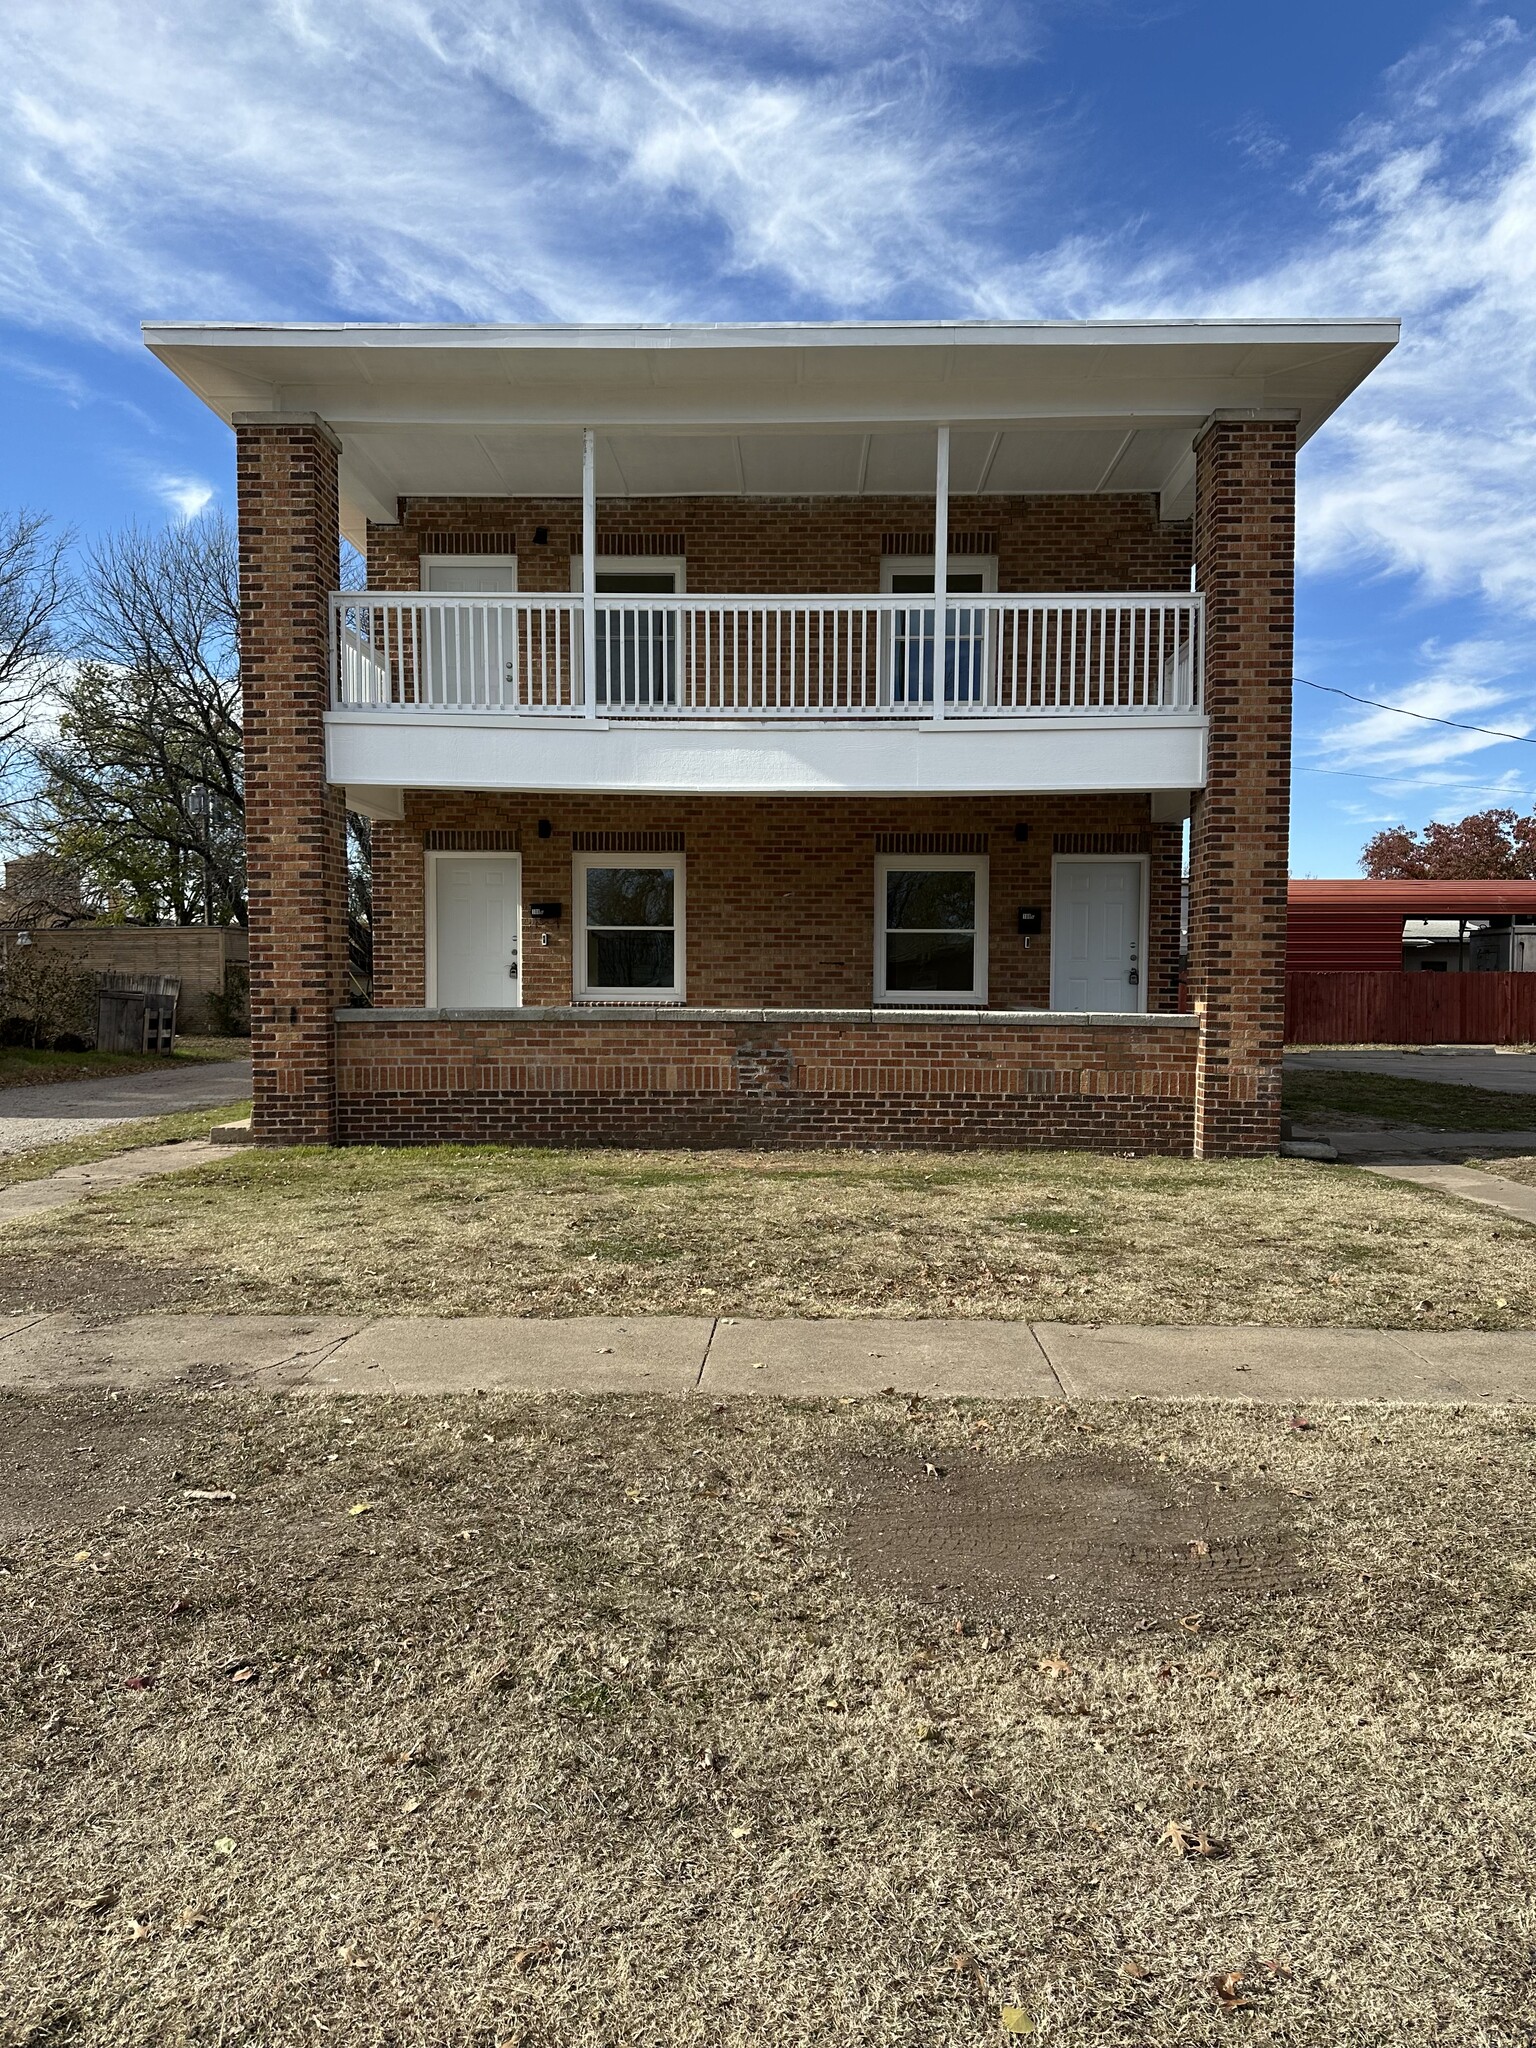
(629, 916)
(636, 642)
(930, 929)
(966, 663)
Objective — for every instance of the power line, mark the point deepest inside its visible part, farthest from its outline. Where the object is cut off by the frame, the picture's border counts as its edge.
(1408, 782)
(1424, 717)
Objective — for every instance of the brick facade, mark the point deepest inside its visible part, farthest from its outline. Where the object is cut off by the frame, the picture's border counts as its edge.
(741, 545)
(295, 822)
(1245, 525)
(780, 890)
(690, 1078)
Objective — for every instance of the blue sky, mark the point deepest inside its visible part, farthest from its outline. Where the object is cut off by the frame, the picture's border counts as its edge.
(793, 159)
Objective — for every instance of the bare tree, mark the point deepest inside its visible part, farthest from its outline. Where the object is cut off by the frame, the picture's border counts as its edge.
(34, 594)
(142, 786)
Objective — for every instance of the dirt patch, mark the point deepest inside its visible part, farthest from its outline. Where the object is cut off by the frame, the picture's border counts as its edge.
(1092, 1543)
(71, 1467)
(97, 1286)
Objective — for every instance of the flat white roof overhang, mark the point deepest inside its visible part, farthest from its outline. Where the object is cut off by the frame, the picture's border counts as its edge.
(834, 410)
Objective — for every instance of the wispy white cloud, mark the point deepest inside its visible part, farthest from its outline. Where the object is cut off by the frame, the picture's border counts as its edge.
(476, 158)
(186, 496)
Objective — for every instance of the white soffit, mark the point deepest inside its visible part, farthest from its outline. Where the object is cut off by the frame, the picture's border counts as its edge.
(1047, 406)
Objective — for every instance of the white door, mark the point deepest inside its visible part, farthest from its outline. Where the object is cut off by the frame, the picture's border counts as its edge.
(1096, 941)
(477, 914)
(466, 649)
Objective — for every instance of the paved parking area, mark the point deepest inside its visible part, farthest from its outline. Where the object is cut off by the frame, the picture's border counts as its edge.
(1463, 1066)
(74, 1109)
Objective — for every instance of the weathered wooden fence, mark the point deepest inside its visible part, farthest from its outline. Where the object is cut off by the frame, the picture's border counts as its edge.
(1410, 1009)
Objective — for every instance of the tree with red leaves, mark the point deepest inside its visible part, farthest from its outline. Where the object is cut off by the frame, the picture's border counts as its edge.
(1488, 846)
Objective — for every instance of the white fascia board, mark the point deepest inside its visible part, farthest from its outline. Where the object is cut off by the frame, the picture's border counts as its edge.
(773, 334)
(961, 757)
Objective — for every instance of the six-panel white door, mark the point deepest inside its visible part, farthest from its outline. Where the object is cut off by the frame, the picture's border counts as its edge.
(1096, 935)
(477, 913)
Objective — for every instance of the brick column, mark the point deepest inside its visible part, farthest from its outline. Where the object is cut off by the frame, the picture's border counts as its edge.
(1245, 525)
(295, 824)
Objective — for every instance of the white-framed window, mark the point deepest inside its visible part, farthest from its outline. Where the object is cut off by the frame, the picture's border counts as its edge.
(629, 927)
(931, 928)
(910, 663)
(637, 641)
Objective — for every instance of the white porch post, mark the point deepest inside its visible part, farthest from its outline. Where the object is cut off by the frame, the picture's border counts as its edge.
(940, 572)
(589, 570)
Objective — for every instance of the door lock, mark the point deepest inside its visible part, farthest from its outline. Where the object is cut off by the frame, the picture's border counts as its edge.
(1134, 978)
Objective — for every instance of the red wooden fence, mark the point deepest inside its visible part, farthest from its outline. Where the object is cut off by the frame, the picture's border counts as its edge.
(1410, 1009)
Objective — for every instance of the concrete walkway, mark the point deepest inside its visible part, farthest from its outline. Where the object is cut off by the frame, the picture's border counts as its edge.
(1416, 1141)
(1466, 1183)
(682, 1355)
(74, 1109)
(121, 1169)
(1462, 1066)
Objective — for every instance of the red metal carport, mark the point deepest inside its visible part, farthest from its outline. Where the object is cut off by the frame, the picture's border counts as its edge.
(1345, 983)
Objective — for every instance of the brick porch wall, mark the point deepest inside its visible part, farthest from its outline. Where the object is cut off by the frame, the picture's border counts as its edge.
(701, 1079)
(780, 902)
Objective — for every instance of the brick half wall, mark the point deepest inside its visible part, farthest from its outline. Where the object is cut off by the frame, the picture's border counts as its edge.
(766, 1078)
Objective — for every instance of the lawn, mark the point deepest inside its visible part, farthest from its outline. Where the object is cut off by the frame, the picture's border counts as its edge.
(1349, 1100)
(22, 1067)
(499, 1721)
(1076, 1237)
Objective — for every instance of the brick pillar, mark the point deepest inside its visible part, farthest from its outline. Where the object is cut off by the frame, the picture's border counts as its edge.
(1245, 525)
(295, 823)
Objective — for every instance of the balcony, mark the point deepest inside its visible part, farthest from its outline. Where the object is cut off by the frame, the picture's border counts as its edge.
(799, 693)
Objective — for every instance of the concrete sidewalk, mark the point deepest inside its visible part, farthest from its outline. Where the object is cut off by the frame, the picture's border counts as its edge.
(679, 1355)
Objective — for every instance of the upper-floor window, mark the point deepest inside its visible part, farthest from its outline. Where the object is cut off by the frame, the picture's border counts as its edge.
(910, 664)
(636, 643)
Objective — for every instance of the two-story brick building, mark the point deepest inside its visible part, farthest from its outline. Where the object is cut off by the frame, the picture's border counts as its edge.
(772, 734)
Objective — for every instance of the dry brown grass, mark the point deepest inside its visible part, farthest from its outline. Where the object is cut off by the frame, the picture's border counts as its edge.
(586, 1732)
(1510, 1166)
(1069, 1236)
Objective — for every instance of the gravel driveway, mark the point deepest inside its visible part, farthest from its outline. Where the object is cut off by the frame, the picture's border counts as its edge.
(73, 1109)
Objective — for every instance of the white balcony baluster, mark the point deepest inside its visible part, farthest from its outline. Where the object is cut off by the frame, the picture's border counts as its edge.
(767, 658)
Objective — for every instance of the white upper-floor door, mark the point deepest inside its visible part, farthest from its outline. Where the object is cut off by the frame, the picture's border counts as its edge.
(1098, 934)
(467, 650)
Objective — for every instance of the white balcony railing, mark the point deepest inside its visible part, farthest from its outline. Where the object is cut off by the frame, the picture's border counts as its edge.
(819, 658)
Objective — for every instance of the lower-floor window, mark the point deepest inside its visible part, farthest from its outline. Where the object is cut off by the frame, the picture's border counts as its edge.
(629, 926)
(931, 929)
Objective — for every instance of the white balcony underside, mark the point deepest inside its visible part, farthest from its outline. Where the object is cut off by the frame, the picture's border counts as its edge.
(416, 749)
